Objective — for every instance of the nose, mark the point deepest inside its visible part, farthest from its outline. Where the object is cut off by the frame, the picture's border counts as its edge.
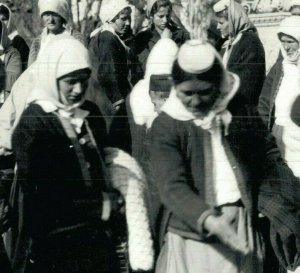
(165, 19)
(127, 23)
(77, 88)
(195, 100)
(286, 46)
(218, 26)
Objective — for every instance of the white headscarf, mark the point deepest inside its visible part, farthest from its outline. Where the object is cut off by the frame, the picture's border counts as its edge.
(111, 8)
(291, 26)
(62, 56)
(160, 61)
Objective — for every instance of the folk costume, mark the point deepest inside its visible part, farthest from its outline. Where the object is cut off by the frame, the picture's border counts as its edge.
(157, 78)
(60, 7)
(221, 164)
(58, 197)
(244, 53)
(280, 90)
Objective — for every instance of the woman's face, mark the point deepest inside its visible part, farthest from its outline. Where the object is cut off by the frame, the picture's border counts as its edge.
(161, 18)
(123, 22)
(53, 22)
(72, 87)
(289, 44)
(197, 96)
(223, 26)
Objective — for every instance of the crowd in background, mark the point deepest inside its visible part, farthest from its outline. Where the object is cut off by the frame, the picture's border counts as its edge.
(149, 152)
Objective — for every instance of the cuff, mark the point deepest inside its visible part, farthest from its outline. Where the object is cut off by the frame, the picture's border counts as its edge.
(115, 104)
(202, 218)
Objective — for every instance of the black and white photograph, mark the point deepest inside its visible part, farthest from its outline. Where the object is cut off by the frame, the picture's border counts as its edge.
(149, 136)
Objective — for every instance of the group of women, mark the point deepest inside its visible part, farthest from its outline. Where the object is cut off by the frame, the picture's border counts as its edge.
(213, 193)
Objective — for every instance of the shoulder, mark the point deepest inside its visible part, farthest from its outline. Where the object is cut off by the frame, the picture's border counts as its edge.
(250, 39)
(165, 125)
(91, 107)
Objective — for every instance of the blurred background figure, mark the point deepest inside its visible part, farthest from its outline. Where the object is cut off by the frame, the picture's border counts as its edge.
(11, 59)
(7, 17)
(243, 51)
(55, 15)
(295, 7)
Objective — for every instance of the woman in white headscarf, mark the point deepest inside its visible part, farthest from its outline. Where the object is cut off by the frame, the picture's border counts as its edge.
(58, 199)
(55, 15)
(280, 90)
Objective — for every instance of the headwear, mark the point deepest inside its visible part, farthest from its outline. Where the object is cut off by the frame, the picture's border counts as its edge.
(291, 27)
(229, 85)
(56, 61)
(160, 62)
(150, 4)
(11, 26)
(160, 83)
(111, 8)
(238, 19)
(196, 59)
(60, 7)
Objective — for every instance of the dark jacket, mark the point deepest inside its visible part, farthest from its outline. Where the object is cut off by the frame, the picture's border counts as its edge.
(109, 67)
(181, 159)
(145, 41)
(266, 105)
(247, 60)
(50, 193)
(19, 43)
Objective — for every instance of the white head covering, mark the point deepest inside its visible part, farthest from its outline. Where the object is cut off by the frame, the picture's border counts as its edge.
(160, 62)
(110, 9)
(61, 7)
(56, 61)
(229, 85)
(291, 27)
(5, 41)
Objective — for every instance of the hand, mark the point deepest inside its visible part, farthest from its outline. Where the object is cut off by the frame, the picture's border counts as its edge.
(166, 33)
(225, 232)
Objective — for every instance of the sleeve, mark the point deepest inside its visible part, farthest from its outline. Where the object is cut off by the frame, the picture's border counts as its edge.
(265, 96)
(250, 67)
(171, 177)
(103, 49)
(13, 67)
(20, 44)
(34, 50)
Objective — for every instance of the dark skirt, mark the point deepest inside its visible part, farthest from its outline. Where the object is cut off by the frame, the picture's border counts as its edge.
(86, 250)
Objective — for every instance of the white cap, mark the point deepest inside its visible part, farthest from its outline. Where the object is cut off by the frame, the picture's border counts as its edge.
(110, 9)
(60, 7)
(221, 5)
(195, 57)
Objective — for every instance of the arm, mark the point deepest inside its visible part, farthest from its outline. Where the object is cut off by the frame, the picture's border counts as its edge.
(265, 96)
(171, 176)
(103, 54)
(248, 63)
(13, 67)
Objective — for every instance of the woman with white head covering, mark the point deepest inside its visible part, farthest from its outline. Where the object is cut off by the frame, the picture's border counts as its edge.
(57, 201)
(208, 148)
(55, 15)
(109, 84)
(244, 52)
(281, 88)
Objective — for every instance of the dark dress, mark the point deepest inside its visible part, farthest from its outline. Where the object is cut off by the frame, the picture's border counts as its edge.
(145, 41)
(247, 60)
(19, 43)
(56, 213)
(181, 160)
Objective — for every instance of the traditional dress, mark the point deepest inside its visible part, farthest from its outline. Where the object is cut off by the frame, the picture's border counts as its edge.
(57, 200)
(211, 166)
(244, 53)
